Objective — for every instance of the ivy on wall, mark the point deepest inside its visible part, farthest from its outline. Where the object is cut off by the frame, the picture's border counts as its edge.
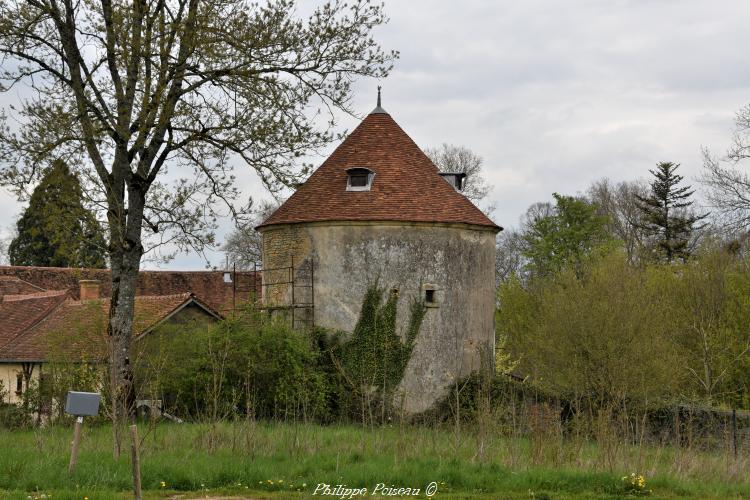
(374, 359)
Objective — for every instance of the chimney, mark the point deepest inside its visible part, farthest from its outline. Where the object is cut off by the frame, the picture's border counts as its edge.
(455, 179)
(89, 289)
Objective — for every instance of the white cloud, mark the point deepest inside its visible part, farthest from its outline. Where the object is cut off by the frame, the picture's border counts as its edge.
(557, 94)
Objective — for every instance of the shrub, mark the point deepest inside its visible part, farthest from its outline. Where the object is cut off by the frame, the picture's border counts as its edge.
(240, 365)
(13, 416)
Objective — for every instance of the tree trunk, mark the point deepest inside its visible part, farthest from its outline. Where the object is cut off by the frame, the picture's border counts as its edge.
(126, 251)
(124, 279)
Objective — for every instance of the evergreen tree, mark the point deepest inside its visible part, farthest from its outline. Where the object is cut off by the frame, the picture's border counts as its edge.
(56, 229)
(667, 212)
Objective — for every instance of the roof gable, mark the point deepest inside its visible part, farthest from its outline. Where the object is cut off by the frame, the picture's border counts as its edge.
(407, 185)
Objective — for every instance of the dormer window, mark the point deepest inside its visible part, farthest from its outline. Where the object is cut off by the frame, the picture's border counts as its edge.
(455, 179)
(359, 179)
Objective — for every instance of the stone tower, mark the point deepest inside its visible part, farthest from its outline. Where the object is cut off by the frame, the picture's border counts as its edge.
(379, 210)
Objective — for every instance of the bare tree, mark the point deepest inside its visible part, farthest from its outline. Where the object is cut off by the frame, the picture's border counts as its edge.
(536, 211)
(460, 159)
(125, 90)
(619, 202)
(727, 182)
(511, 244)
(509, 255)
(243, 247)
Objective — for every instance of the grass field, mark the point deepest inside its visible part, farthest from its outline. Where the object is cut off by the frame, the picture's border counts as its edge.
(265, 460)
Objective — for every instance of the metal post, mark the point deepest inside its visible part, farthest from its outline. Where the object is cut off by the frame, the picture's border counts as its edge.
(256, 299)
(74, 447)
(234, 288)
(291, 279)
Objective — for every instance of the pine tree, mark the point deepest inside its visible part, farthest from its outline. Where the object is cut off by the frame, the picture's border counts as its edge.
(667, 213)
(56, 229)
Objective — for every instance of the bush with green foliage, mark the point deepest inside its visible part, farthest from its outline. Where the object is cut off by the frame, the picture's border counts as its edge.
(611, 332)
(257, 366)
(11, 416)
(47, 395)
(239, 365)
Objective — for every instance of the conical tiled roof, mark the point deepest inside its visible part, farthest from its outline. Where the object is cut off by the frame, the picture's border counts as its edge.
(406, 188)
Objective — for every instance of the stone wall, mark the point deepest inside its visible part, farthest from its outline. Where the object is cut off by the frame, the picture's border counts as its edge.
(457, 262)
(284, 248)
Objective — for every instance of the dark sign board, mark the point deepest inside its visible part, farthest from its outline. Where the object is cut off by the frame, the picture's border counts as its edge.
(82, 404)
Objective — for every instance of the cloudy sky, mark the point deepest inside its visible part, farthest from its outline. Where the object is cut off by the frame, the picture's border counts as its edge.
(554, 95)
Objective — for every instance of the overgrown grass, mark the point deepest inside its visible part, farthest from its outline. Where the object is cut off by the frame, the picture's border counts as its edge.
(277, 460)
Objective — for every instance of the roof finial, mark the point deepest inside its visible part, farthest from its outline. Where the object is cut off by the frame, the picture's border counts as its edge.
(378, 109)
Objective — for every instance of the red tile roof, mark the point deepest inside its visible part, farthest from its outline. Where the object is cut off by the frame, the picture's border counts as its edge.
(20, 312)
(78, 329)
(12, 285)
(208, 285)
(406, 186)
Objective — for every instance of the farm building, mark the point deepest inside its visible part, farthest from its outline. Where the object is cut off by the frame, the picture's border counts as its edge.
(39, 325)
(378, 210)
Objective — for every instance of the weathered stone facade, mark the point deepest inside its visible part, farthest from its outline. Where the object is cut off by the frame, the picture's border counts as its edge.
(284, 248)
(456, 261)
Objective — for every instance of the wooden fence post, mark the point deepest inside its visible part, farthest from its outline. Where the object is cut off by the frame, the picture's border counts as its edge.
(136, 462)
(74, 447)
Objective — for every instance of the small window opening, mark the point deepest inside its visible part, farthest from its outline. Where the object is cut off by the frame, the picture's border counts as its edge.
(19, 383)
(430, 295)
(394, 291)
(359, 179)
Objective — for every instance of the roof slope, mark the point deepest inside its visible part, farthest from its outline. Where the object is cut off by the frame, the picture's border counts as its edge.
(78, 329)
(407, 186)
(20, 312)
(12, 285)
(210, 286)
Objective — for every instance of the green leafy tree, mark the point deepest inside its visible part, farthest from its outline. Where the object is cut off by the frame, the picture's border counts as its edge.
(667, 212)
(132, 89)
(56, 229)
(711, 294)
(564, 236)
(602, 339)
